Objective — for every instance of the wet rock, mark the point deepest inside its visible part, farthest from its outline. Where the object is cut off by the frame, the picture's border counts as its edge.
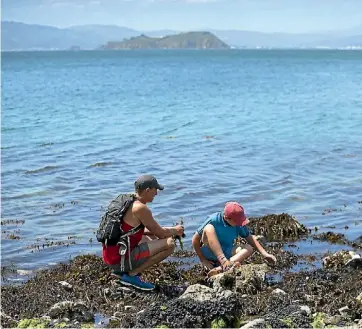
(277, 227)
(305, 310)
(359, 298)
(187, 313)
(129, 308)
(344, 310)
(245, 279)
(7, 321)
(198, 292)
(66, 285)
(343, 258)
(257, 323)
(278, 291)
(331, 237)
(72, 310)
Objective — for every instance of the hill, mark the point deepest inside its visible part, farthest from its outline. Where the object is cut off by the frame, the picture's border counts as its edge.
(20, 36)
(189, 40)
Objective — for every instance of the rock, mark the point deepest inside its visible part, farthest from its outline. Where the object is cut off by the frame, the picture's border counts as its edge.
(66, 285)
(129, 307)
(333, 320)
(124, 289)
(6, 321)
(305, 310)
(257, 323)
(278, 291)
(198, 292)
(344, 310)
(308, 298)
(72, 310)
(359, 298)
(343, 258)
(245, 279)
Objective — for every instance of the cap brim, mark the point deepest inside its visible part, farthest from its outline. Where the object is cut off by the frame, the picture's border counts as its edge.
(243, 221)
(160, 187)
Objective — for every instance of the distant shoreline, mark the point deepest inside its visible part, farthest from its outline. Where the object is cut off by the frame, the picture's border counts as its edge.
(175, 50)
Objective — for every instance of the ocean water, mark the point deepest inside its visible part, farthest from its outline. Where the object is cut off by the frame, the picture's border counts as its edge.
(278, 131)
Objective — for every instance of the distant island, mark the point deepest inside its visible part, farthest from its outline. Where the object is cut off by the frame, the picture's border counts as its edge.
(188, 40)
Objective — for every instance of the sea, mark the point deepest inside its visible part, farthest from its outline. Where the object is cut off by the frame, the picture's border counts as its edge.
(279, 131)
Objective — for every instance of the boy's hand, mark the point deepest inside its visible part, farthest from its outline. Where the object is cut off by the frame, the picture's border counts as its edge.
(270, 258)
(207, 265)
(226, 265)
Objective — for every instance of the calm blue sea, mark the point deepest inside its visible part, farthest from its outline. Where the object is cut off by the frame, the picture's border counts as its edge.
(278, 131)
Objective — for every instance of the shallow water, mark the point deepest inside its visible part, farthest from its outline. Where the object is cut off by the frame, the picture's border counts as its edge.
(278, 131)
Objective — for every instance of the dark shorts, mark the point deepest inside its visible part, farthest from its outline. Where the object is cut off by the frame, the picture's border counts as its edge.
(139, 255)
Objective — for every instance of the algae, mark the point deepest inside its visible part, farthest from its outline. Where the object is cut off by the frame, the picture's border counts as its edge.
(33, 323)
(318, 320)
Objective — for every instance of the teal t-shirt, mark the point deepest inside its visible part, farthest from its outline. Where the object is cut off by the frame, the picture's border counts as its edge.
(225, 233)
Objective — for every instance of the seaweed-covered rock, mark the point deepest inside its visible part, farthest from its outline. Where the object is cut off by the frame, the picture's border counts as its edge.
(331, 237)
(343, 258)
(256, 323)
(199, 293)
(7, 321)
(281, 227)
(186, 313)
(245, 279)
(74, 311)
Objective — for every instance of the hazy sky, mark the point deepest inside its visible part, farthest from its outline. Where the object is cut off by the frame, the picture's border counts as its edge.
(256, 15)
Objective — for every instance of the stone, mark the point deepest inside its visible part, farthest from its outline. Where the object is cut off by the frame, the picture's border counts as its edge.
(359, 298)
(343, 310)
(254, 324)
(66, 285)
(72, 310)
(305, 310)
(245, 279)
(198, 292)
(278, 291)
(129, 307)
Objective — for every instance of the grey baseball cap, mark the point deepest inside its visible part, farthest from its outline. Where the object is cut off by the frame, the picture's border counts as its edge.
(147, 181)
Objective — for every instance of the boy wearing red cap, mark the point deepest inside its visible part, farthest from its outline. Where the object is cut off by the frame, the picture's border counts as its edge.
(214, 240)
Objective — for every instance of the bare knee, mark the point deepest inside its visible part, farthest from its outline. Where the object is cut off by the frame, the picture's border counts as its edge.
(170, 243)
(249, 249)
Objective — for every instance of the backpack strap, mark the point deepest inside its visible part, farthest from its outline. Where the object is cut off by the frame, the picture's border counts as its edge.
(124, 243)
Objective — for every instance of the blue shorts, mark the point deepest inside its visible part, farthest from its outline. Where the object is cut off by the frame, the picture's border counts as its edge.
(209, 255)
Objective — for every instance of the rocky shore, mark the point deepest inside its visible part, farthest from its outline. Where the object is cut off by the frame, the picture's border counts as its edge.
(83, 293)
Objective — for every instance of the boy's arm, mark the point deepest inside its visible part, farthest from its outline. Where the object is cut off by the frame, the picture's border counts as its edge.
(256, 245)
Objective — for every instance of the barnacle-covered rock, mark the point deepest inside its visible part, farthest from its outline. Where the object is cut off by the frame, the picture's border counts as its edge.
(277, 227)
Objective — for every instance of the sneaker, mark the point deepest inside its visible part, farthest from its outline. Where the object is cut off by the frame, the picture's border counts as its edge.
(136, 282)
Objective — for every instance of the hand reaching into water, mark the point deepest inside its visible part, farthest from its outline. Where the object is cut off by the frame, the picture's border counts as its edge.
(270, 258)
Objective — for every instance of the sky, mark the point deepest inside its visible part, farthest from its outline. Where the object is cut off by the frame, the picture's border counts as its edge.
(293, 16)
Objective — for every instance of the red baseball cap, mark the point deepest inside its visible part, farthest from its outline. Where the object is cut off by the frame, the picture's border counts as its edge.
(235, 211)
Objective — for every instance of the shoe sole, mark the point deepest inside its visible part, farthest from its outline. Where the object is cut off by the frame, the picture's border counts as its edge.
(134, 286)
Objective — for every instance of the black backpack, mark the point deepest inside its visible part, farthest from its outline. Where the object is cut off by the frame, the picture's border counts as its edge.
(109, 231)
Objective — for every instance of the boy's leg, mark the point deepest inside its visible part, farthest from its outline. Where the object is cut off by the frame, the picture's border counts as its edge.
(209, 238)
(241, 253)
